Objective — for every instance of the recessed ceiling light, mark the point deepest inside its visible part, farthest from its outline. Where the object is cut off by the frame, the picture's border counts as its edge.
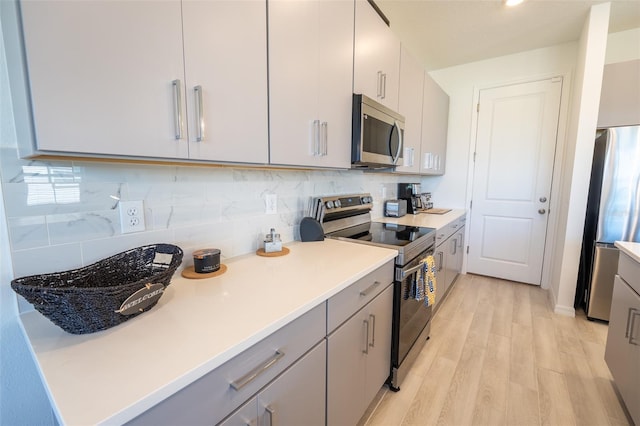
(512, 2)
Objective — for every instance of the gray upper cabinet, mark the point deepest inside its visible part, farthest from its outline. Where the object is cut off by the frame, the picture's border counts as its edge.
(435, 122)
(108, 78)
(620, 96)
(310, 82)
(410, 106)
(376, 57)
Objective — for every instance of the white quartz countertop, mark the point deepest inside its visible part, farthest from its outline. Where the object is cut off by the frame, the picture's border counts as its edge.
(112, 376)
(428, 220)
(629, 248)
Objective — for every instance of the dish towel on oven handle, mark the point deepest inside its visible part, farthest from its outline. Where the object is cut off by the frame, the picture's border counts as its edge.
(423, 285)
(430, 285)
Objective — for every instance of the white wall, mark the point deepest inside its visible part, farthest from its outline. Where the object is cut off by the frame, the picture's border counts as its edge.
(463, 83)
(577, 160)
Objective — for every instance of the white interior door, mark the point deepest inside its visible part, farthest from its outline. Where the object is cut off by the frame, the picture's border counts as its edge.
(515, 146)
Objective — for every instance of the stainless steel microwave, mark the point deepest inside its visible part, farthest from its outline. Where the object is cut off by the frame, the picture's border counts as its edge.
(377, 134)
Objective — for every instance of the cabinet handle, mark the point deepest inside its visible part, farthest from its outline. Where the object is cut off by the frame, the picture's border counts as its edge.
(384, 85)
(366, 343)
(373, 330)
(253, 374)
(323, 133)
(369, 289)
(177, 111)
(441, 258)
(631, 325)
(400, 143)
(455, 246)
(379, 94)
(272, 414)
(199, 113)
(316, 137)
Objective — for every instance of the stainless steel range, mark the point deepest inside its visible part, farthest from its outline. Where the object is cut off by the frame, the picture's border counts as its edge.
(348, 217)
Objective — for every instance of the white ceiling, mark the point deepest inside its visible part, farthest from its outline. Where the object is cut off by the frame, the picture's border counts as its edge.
(443, 33)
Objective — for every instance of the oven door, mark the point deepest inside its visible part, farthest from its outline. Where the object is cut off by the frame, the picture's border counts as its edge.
(410, 315)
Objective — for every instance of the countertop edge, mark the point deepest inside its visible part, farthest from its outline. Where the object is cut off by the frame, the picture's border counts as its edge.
(631, 249)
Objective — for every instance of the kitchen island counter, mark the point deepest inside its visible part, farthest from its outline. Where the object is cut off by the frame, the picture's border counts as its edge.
(112, 376)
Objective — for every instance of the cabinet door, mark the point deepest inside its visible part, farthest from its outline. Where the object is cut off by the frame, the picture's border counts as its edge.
(346, 369)
(310, 82)
(376, 57)
(379, 356)
(101, 76)
(440, 260)
(297, 397)
(622, 352)
(247, 415)
(435, 122)
(450, 252)
(225, 49)
(410, 105)
(459, 255)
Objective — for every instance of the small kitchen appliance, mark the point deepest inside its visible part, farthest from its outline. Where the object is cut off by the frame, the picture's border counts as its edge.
(412, 194)
(377, 135)
(395, 208)
(348, 218)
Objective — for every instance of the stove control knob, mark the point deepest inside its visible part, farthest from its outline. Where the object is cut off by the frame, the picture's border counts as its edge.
(337, 203)
(367, 200)
(329, 204)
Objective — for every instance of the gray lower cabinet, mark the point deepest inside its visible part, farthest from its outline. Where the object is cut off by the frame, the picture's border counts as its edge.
(358, 360)
(448, 255)
(219, 393)
(297, 397)
(622, 352)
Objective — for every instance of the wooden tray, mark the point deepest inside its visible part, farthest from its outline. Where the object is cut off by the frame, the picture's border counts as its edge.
(190, 273)
(284, 252)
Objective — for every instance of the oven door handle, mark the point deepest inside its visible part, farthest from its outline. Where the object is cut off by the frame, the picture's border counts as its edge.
(402, 274)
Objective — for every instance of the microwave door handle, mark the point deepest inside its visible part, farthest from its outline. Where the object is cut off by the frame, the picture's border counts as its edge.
(397, 156)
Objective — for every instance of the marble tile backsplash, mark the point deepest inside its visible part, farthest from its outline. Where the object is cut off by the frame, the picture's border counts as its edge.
(64, 214)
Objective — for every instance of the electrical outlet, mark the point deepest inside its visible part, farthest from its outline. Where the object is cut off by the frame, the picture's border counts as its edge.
(271, 203)
(131, 216)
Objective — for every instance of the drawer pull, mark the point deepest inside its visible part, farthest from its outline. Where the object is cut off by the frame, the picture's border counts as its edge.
(369, 289)
(372, 318)
(272, 415)
(253, 374)
(631, 325)
(366, 343)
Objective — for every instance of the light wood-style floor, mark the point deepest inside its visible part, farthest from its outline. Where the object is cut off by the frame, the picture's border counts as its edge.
(498, 355)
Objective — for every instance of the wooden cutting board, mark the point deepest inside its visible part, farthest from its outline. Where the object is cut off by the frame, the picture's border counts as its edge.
(437, 211)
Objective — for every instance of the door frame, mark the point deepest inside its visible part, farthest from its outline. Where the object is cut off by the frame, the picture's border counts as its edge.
(558, 175)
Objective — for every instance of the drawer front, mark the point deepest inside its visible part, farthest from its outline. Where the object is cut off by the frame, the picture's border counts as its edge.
(629, 270)
(446, 231)
(346, 303)
(212, 397)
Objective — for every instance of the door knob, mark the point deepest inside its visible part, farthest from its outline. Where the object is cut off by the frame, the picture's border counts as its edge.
(543, 199)
(542, 211)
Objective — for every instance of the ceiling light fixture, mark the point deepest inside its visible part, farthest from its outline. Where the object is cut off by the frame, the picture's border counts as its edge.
(512, 2)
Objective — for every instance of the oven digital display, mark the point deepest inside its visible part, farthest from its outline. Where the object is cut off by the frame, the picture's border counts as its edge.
(350, 201)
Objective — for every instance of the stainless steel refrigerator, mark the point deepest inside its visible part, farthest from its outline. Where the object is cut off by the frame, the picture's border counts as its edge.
(613, 211)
